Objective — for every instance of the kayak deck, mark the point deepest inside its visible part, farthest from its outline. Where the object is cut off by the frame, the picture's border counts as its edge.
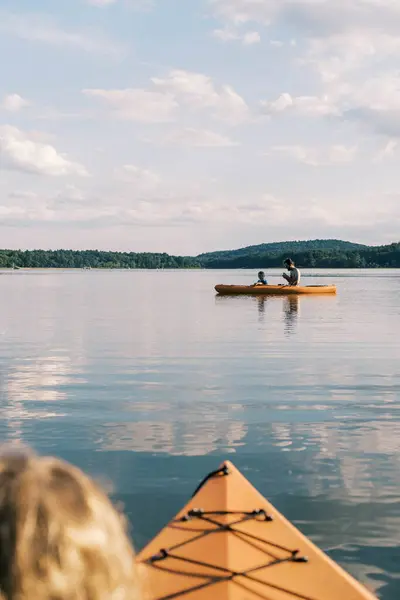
(230, 543)
(274, 289)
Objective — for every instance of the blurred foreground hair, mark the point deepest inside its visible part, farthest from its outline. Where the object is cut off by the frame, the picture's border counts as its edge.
(60, 536)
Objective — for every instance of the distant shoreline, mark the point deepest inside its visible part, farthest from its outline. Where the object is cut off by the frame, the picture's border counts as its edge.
(320, 254)
(320, 268)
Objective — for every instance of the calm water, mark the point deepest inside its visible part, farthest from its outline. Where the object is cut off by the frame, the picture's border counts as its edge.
(149, 380)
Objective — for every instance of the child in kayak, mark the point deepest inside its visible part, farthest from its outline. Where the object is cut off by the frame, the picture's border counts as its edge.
(294, 274)
(261, 279)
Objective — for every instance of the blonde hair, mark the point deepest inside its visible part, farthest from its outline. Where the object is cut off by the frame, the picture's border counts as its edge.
(60, 536)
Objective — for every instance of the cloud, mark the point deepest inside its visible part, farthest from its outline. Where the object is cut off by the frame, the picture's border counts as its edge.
(70, 196)
(376, 100)
(140, 178)
(353, 48)
(200, 138)
(22, 152)
(342, 54)
(109, 217)
(229, 34)
(302, 105)
(44, 29)
(251, 37)
(198, 91)
(379, 93)
(311, 215)
(276, 43)
(102, 2)
(22, 195)
(312, 16)
(373, 103)
(178, 90)
(316, 157)
(14, 103)
(137, 4)
(282, 103)
(138, 104)
(387, 151)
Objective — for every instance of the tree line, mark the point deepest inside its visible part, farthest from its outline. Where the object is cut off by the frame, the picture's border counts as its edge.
(96, 259)
(370, 257)
(330, 257)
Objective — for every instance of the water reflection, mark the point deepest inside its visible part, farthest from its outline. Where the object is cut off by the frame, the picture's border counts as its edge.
(196, 429)
(291, 305)
(28, 386)
(261, 302)
(40, 378)
(187, 438)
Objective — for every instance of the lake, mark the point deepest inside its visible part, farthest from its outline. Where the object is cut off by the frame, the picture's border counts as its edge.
(148, 380)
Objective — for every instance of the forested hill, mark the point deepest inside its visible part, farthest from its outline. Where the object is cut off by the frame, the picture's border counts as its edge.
(313, 253)
(280, 248)
(342, 255)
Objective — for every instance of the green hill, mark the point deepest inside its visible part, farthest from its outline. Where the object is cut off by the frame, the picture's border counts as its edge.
(279, 248)
(312, 253)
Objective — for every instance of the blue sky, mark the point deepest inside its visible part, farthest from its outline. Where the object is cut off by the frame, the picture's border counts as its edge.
(184, 127)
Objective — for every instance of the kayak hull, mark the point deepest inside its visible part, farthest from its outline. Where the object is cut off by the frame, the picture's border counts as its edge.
(230, 543)
(273, 290)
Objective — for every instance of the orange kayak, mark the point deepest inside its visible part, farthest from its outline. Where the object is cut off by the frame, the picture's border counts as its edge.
(230, 543)
(274, 289)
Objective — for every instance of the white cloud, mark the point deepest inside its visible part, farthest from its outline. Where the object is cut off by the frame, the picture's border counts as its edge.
(138, 104)
(387, 151)
(275, 209)
(332, 155)
(251, 37)
(136, 4)
(242, 11)
(373, 102)
(229, 34)
(12, 212)
(23, 195)
(102, 2)
(377, 93)
(282, 103)
(44, 29)
(204, 138)
(341, 54)
(353, 47)
(21, 152)
(14, 103)
(276, 43)
(180, 89)
(303, 105)
(311, 214)
(139, 177)
(226, 35)
(312, 16)
(109, 217)
(49, 113)
(198, 91)
(70, 195)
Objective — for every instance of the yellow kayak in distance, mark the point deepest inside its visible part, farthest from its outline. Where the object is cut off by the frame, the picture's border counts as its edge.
(274, 290)
(230, 543)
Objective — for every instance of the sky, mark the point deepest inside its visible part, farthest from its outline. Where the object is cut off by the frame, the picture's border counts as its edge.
(188, 126)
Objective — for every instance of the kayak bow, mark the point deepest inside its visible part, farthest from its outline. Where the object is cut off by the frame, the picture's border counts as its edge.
(230, 543)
